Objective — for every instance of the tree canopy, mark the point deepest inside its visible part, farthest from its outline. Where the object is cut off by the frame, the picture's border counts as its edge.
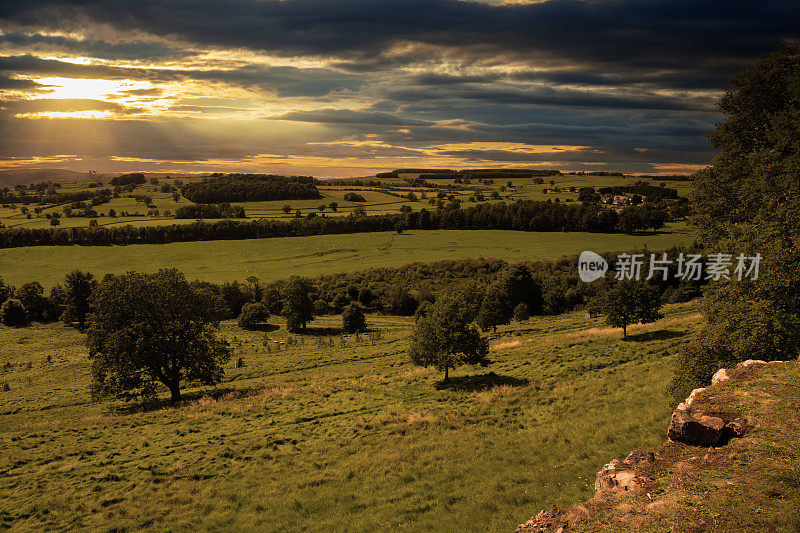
(444, 338)
(628, 302)
(152, 328)
(748, 202)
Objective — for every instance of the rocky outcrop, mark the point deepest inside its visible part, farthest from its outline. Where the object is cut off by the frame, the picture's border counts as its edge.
(697, 428)
(624, 475)
(544, 522)
(688, 425)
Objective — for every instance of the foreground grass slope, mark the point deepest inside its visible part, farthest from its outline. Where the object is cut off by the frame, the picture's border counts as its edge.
(328, 432)
(750, 484)
(270, 259)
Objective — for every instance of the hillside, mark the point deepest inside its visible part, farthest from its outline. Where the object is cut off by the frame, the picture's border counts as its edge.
(332, 432)
(24, 176)
(747, 484)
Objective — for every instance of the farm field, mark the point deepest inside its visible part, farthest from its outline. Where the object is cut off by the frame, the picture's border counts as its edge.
(278, 258)
(327, 432)
(376, 201)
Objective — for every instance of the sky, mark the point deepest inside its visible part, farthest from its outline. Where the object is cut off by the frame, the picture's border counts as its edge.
(354, 87)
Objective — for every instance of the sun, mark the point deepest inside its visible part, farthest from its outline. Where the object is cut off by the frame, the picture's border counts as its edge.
(94, 89)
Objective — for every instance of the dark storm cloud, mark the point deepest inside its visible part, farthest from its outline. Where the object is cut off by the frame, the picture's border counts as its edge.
(638, 33)
(7, 83)
(139, 50)
(347, 116)
(550, 96)
(284, 81)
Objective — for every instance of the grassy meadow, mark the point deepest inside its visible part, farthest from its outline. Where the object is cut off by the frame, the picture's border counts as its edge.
(279, 258)
(329, 432)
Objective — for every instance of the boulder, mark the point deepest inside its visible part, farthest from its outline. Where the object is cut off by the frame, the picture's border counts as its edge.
(720, 376)
(751, 362)
(697, 428)
(617, 476)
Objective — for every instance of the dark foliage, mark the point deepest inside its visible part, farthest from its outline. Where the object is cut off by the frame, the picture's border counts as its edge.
(250, 188)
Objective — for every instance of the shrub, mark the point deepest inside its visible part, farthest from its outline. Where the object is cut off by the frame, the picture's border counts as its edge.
(354, 197)
(12, 313)
(522, 312)
(353, 318)
(253, 315)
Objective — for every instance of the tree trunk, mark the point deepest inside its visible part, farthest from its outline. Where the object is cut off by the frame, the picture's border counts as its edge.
(625, 331)
(446, 373)
(175, 391)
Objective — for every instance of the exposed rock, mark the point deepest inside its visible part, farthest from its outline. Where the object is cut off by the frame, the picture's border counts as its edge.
(546, 521)
(639, 457)
(688, 401)
(700, 429)
(751, 362)
(720, 376)
(618, 476)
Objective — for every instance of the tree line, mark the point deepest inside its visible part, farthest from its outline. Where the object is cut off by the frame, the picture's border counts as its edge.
(522, 215)
(210, 211)
(250, 188)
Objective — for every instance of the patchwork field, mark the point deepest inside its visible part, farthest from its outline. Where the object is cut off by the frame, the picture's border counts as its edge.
(327, 432)
(279, 258)
(376, 201)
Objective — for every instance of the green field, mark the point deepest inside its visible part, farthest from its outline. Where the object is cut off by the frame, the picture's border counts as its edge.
(326, 432)
(377, 202)
(278, 258)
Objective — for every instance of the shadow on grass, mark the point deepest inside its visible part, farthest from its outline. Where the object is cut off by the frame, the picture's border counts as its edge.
(187, 398)
(660, 335)
(263, 327)
(479, 382)
(312, 331)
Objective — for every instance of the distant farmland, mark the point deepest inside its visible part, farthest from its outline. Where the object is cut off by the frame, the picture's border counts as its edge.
(269, 259)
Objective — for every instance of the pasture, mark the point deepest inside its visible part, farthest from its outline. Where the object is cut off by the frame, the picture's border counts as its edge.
(377, 201)
(278, 258)
(329, 432)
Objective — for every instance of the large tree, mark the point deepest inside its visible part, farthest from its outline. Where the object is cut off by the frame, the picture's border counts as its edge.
(298, 305)
(152, 328)
(31, 295)
(628, 302)
(748, 202)
(445, 338)
(78, 289)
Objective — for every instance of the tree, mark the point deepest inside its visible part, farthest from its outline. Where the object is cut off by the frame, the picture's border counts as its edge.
(78, 289)
(747, 202)
(445, 339)
(152, 328)
(496, 308)
(353, 318)
(522, 312)
(31, 295)
(297, 303)
(628, 302)
(12, 313)
(253, 315)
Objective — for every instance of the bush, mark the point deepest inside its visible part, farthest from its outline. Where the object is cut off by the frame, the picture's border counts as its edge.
(253, 315)
(12, 313)
(353, 318)
(354, 197)
(522, 312)
(320, 307)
